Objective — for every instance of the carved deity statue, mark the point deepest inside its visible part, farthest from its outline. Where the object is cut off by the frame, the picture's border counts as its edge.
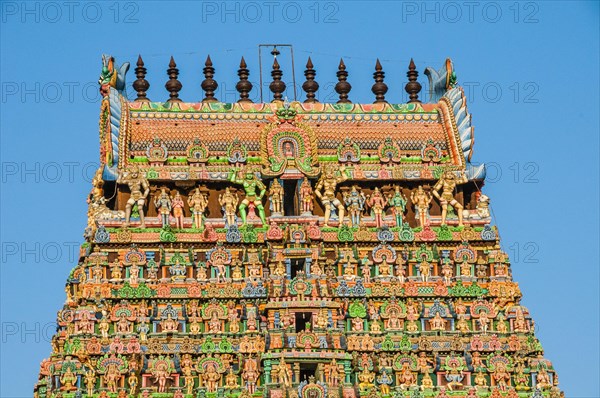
(229, 202)
(397, 202)
(325, 191)
(198, 202)
(377, 203)
(139, 187)
(178, 206)
(355, 202)
(164, 206)
(421, 201)
(276, 198)
(254, 189)
(447, 183)
(306, 196)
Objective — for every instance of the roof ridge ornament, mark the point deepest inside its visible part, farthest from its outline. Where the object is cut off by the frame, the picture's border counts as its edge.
(277, 86)
(379, 88)
(209, 85)
(173, 85)
(244, 86)
(141, 85)
(343, 87)
(413, 87)
(310, 86)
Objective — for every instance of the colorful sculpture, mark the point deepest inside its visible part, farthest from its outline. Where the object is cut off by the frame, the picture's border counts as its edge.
(311, 304)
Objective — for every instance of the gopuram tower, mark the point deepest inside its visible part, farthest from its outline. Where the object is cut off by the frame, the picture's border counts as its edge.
(291, 250)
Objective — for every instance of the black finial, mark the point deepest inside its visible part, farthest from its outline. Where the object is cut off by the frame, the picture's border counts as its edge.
(244, 86)
(310, 85)
(379, 88)
(209, 85)
(343, 87)
(173, 85)
(141, 85)
(413, 87)
(277, 86)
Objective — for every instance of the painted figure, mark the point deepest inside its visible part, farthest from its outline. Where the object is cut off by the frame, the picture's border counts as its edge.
(139, 187)
(421, 200)
(178, 206)
(229, 202)
(276, 198)
(447, 183)
(198, 203)
(397, 202)
(325, 191)
(355, 201)
(251, 185)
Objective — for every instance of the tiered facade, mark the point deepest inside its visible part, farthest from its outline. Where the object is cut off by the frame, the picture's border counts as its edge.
(291, 250)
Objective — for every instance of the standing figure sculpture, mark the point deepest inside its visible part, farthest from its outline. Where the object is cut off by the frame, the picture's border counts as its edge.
(421, 201)
(447, 183)
(327, 183)
(178, 205)
(306, 197)
(164, 206)
(198, 202)
(136, 182)
(397, 201)
(377, 203)
(229, 202)
(276, 198)
(251, 184)
(355, 201)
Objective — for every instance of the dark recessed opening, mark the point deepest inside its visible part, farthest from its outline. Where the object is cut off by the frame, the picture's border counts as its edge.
(307, 370)
(302, 319)
(296, 265)
(290, 201)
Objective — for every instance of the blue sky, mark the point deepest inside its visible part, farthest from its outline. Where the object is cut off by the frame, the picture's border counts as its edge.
(531, 74)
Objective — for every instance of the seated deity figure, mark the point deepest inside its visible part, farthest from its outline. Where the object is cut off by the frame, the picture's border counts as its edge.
(454, 376)
(68, 380)
(447, 183)
(437, 322)
(542, 380)
(407, 377)
(169, 324)
(366, 379)
(231, 380)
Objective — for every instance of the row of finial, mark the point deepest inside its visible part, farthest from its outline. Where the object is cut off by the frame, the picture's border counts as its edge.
(277, 86)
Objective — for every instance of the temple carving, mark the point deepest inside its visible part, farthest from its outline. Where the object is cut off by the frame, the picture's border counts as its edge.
(291, 250)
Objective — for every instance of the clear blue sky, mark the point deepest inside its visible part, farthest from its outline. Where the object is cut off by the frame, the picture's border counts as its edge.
(532, 69)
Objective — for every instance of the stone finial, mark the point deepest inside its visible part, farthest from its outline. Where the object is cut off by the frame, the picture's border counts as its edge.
(413, 87)
(209, 85)
(173, 85)
(277, 86)
(244, 86)
(310, 86)
(343, 87)
(379, 88)
(141, 85)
